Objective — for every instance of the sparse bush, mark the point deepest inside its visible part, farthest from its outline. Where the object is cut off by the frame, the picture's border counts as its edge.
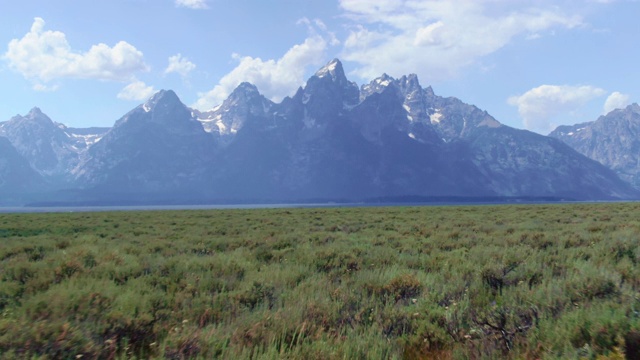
(403, 287)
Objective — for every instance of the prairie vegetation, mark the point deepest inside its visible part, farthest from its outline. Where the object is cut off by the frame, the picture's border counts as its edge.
(463, 282)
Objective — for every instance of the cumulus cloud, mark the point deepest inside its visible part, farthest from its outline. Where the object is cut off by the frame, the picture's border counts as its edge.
(180, 65)
(43, 56)
(136, 91)
(540, 105)
(192, 4)
(436, 38)
(275, 78)
(616, 101)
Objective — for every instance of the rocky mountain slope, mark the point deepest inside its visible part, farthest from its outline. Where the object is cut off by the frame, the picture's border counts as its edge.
(613, 140)
(158, 147)
(52, 149)
(17, 178)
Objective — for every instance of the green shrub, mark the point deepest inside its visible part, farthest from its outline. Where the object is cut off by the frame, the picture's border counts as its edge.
(483, 282)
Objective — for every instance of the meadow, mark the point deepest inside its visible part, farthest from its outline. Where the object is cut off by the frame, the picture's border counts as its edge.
(555, 281)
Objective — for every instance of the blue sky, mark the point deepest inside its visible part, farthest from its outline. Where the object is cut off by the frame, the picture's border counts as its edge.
(531, 64)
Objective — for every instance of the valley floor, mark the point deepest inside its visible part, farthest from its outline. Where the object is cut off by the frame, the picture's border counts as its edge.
(541, 281)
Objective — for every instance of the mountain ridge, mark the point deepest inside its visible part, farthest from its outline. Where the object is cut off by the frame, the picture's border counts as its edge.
(613, 140)
(391, 138)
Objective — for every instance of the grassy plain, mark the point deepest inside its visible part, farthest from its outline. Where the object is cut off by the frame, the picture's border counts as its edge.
(459, 282)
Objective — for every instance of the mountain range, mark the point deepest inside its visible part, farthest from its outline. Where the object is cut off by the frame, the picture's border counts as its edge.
(331, 141)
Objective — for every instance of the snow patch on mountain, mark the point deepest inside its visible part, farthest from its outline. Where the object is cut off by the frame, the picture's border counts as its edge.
(329, 69)
(88, 139)
(436, 117)
(305, 98)
(384, 82)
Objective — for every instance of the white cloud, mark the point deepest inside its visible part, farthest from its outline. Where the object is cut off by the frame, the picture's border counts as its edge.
(316, 24)
(136, 91)
(437, 38)
(180, 65)
(430, 34)
(274, 78)
(192, 4)
(46, 55)
(45, 88)
(616, 101)
(540, 105)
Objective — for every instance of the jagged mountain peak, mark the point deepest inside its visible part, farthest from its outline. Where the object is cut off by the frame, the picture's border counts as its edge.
(35, 114)
(245, 87)
(384, 80)
(334, 70)
(411, 79)
(163, 98)
(633, 107)
(376, 85)
(35, 111)
(406, 81)
(585, 130)
(629, 109)
(227, 118)
(385, 77)
(164, 94)
(45, 144)
(243, 92)
(165, 107)
(407, 84)
(410, 82)
(163, 110)
(330, 82)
